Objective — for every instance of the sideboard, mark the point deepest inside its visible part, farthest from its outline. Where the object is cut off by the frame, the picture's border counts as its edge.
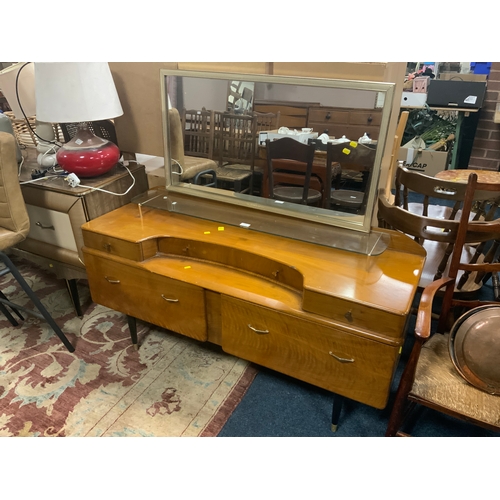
(333, 318)
(334, 121)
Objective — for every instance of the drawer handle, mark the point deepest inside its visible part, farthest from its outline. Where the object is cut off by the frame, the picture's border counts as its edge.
(348, 316)
(112, 281)
(39, 224)
(169, 300)
(342, 360)
(260, 332)
(328, 116)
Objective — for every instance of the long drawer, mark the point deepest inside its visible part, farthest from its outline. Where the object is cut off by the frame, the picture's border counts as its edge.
(328, 357)
(157, 299)
(352, 123)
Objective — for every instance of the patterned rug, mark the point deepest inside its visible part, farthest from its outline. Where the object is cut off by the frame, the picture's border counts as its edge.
(171, 386)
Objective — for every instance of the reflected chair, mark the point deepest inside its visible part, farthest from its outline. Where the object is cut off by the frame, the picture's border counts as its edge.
(357, 158)
(14, 227)
(286, 186)
(194, 128)
(455, 369)
(266, 121)
(236, 143)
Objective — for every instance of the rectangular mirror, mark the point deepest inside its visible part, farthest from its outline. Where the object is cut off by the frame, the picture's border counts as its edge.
(215, 131)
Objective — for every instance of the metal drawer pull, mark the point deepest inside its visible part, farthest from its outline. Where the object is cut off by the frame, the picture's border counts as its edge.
(342, 360)
(169, 300)
(39, 224)
(112, 281)
(260, 332)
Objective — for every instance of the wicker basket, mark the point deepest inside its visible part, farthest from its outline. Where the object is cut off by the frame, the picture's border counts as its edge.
(25, 133)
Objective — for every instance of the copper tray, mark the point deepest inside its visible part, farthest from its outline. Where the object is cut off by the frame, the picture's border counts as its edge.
(475, 347)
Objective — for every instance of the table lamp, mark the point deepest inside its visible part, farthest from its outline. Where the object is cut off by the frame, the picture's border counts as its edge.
(17, 83)
(79, 93)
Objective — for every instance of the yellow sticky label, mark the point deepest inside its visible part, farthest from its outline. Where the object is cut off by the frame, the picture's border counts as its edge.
(206, 232)
(346, 151)
(353, 144)
(220, 228)
(187, 267)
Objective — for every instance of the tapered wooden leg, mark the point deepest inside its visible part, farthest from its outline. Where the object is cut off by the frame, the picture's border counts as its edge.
(132, 326)
(337, 408)
(75, 297)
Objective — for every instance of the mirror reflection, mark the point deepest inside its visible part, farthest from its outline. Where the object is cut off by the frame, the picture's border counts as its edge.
(220, 127)
(240, 97)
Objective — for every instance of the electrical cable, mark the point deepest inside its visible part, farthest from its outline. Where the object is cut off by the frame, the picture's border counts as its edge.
(110, 192)
(24, 114)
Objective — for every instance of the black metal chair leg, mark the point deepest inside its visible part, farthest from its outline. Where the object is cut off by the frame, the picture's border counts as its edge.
(9, 316)
(50, 320)
(75, 297)
(337, 407)
(19, 315)
(132, 326)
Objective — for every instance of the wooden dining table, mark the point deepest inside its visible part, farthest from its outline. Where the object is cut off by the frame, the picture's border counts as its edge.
(462, 175)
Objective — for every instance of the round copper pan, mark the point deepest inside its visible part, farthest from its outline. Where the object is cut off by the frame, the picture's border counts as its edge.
(475, 347)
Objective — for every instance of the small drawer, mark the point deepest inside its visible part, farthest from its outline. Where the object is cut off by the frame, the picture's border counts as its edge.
(126, 249)
(373, 118)
(328, 115)
(328, 357)
(168, 303)
(387, 324)
(51, 227)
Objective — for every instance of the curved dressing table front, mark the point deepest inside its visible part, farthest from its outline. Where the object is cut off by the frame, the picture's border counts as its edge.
(330, 317)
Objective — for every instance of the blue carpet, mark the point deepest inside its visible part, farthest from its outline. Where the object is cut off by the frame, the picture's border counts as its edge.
(276, 405)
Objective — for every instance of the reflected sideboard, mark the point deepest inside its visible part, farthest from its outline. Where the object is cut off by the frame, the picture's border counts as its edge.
(330, 317)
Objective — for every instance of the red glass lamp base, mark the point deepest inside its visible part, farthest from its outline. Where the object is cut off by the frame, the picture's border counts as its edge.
(87, 155)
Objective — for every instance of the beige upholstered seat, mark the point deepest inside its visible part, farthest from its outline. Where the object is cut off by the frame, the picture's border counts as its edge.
(189, 167)
(14, 227)
(437, 380)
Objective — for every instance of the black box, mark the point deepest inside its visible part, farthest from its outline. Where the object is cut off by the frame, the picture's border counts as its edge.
(455, 94)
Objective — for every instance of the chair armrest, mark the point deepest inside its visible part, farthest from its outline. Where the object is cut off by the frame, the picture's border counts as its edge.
(424, 313)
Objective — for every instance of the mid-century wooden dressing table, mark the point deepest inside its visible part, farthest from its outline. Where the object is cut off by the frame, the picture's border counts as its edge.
(330, 317)
(312, 293)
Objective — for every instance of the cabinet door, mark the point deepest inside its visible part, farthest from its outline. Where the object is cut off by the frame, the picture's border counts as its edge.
(163, 301)
(328, 357)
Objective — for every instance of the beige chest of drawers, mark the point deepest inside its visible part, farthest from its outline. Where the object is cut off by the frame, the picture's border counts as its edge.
(329, 317)
(57, 211)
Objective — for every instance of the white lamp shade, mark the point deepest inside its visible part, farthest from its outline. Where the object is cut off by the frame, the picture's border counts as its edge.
(75, 92)
(25, 85)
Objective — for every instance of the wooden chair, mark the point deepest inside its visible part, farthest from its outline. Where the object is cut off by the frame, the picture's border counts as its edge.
(437, 200)
(235, 143)
(266, 121)
(355, 157)
(456, 373)
(198, 130)
(284, 186)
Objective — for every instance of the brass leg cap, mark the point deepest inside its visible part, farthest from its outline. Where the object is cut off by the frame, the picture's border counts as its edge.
(136, 347)
(334, 427)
